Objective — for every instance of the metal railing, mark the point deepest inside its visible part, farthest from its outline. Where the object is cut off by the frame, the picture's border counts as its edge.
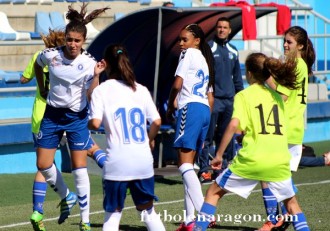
(314, 23)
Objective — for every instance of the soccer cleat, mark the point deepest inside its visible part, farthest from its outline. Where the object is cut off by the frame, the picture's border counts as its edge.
(268, 226)
(66, 206)
(285, 225)
(282, 225)
(84, 226)
(212, 224)
(184, 227)
(205, 178)
(36, 221)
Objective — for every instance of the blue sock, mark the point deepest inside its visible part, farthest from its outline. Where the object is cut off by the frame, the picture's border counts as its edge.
(270, 203)
(299, 222)
(204, 216)
(38, 196)
(99, 157)
(283, 209)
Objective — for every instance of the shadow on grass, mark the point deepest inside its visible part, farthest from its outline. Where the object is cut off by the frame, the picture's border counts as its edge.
(121, 227)
(162, 180)
(132, 228)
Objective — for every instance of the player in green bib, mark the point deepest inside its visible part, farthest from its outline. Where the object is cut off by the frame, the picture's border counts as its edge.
(259, 114)
(295, 41)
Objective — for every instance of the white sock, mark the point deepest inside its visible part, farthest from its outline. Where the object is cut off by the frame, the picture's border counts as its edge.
(111, 221)
(189, 207)
(55, 180)
(81, 180)
(152, 220)
(193, 186)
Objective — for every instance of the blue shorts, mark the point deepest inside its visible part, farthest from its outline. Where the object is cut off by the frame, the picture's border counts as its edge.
(142, 192)
(192, 126)
(56, 121)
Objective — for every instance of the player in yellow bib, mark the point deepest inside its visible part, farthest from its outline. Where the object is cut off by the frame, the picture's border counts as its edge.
(295, 41)
(259, 114)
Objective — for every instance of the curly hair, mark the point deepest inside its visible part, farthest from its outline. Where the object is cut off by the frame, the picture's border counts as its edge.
(54, 38)
(262, 67)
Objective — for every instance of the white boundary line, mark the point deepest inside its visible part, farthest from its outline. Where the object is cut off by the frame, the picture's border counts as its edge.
(160, 203)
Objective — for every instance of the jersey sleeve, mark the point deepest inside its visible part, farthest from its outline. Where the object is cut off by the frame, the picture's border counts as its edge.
(42, 59)
(240, 111)
(184, 63)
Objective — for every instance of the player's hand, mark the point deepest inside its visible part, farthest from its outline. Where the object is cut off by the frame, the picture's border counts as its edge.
(169, 114)
(152, 144)
(216, 163)
(99, 67)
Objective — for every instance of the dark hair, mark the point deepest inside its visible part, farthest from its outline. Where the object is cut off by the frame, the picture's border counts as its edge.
(168, 3)
(79, 20)
(197, 32)
(223, 19)
(116, 57)
(307, 52)
(262, 67)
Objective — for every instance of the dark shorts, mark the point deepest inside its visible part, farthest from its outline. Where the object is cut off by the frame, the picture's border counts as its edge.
(142, 192)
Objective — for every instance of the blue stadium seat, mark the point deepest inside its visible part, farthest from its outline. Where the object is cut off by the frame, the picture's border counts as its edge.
(145, 2)
(5, 1)
(42, 23)
(18, 1)
(35, 35)
(132, 0)
(57, 20)
(7, 36)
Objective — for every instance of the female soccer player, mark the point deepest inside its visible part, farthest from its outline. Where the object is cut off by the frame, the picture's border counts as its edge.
(124, 107)
(53, 39)
(71, 71)
(259, 114)
(193, 89)
(295, 41)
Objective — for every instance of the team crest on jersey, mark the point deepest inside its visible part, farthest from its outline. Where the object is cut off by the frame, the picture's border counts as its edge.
(230, 55)
(80, 67)
(39, 136)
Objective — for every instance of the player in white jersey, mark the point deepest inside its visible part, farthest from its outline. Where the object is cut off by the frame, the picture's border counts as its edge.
(193, 90)
(124, 107)
(71, 71)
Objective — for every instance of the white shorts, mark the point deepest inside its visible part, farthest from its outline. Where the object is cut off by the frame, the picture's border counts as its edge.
(296, 152)
(243, 187)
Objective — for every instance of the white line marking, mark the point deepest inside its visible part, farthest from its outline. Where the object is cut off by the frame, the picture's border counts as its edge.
(160, 203)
